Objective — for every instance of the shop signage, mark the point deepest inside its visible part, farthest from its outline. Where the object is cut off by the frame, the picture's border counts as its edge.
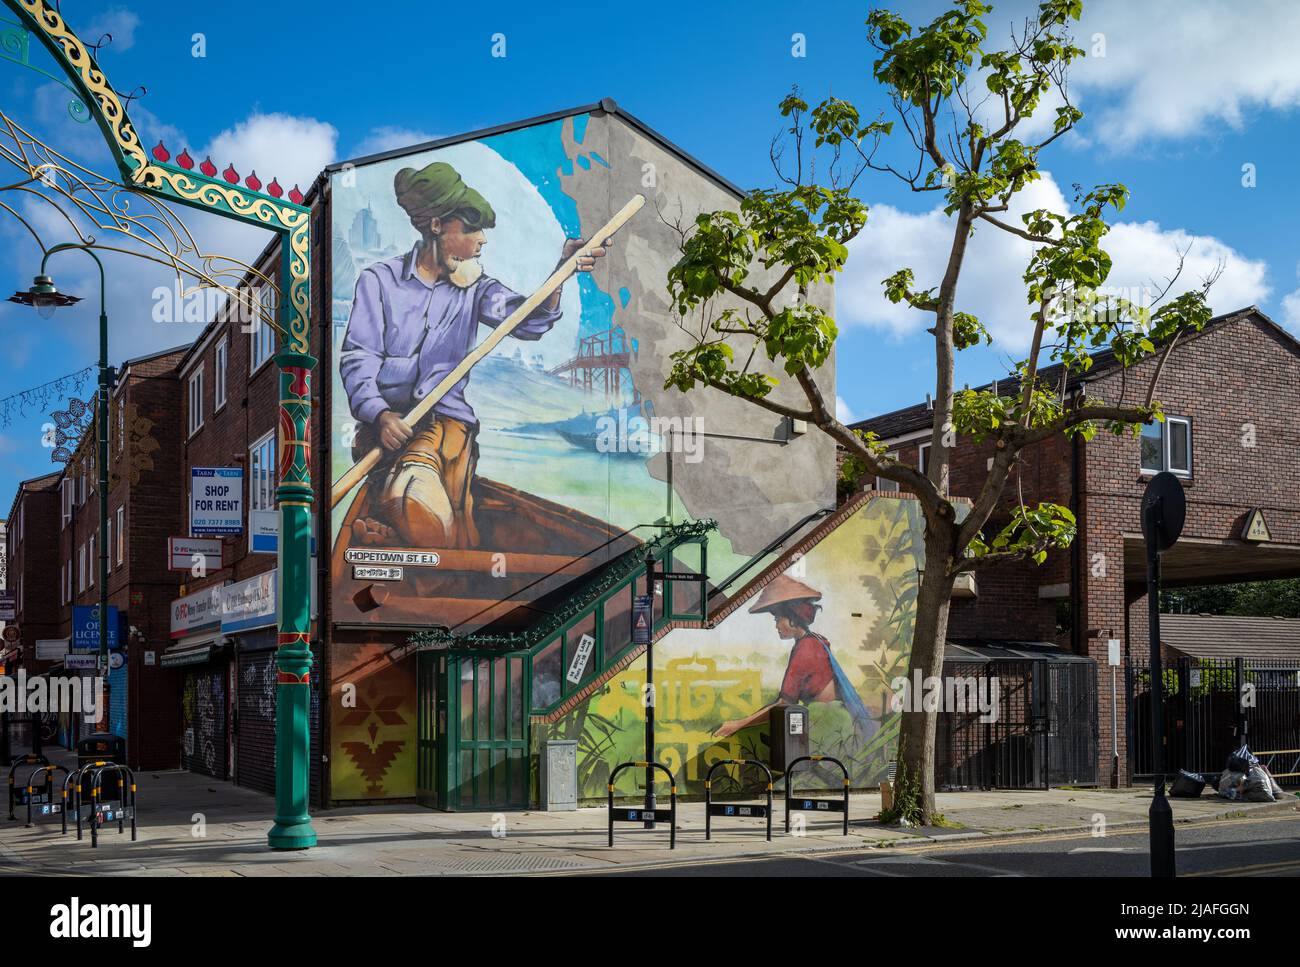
(85, 627)
(264, 532)
(196, 611)
(151, 657)
(249, 604)
(580, 658)
(8, 605)
(80, 662)
(184, 553)
(51, 649)
(366, 572)
(252, 604)
(216, 500)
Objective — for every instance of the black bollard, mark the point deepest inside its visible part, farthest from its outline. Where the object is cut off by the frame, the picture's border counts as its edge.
(1161, 819)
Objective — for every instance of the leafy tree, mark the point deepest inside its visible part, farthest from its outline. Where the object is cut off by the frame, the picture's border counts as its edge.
(1260, 599)
(743, 282)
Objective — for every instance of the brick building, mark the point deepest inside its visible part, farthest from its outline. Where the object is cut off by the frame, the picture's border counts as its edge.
(143, 469)
(223, 618)
(1229, 394)
(31, 559)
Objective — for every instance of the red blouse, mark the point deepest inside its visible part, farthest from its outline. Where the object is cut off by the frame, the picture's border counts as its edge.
(808, 673)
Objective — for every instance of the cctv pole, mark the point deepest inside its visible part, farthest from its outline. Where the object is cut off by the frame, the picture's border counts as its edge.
(650, 694)
(1161, 816)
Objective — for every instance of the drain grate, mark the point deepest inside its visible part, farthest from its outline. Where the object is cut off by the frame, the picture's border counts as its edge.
(513, 863)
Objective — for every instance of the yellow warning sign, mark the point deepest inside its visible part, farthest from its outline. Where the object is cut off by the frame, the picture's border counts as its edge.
(1256, 528)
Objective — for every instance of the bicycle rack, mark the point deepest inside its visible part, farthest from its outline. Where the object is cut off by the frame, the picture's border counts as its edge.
(807, 804)
(27, 759)
(633, 815)
(45, 798)
(712, 809)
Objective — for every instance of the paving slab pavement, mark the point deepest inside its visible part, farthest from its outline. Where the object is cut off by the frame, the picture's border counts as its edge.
(194, 826)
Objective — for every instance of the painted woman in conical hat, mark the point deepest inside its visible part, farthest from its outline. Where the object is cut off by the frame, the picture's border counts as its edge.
(812, 674)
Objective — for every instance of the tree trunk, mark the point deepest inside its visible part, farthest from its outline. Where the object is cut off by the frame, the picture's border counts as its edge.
(917, 732)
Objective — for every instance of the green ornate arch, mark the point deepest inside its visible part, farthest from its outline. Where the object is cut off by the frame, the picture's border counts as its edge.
(292, 222)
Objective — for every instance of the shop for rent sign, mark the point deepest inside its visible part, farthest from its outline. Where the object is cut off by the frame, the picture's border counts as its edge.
(216, 500)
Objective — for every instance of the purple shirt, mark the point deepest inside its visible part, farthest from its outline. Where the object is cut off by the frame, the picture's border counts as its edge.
(405, 335)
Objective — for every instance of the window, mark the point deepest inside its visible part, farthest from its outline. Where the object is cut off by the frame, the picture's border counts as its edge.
(81, 568)
(923, 460)
(219, 378)
(1167, 446)
(108, 542)
(261, 474)
(121, 534)
(196, 401)
(91, 563)
(69, 579)
(65, 495)
(121, 424)
(261, 336)
(883, 483)
(62, 571)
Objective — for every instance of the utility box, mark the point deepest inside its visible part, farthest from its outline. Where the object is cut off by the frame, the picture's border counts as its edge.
(789, 735)
(560, 775)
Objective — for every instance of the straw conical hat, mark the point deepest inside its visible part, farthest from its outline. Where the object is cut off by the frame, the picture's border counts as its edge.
(783, 589)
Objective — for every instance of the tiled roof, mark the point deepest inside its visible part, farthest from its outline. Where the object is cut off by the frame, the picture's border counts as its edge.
(920, 416)
(1230, 636)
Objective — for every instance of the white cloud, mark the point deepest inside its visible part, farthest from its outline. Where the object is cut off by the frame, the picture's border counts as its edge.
(1172, 69)
(117, 21)
(290, 148)
(1291, 311)
(1143, 253)
(843, 412)
(389, 138)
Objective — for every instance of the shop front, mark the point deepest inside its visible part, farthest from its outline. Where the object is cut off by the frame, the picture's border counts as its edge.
(248, 622)
(200, 651)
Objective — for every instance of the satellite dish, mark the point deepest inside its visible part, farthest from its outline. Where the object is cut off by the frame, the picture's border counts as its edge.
(1164, 509)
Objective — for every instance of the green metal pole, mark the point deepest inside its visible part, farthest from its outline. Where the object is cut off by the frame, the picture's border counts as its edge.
(101, 417)
(292, 829)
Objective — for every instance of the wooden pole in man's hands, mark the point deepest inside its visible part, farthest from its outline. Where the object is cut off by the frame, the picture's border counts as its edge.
(345, 483)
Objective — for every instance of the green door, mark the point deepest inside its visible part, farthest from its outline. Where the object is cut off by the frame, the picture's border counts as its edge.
(489, 769)
(431, 725)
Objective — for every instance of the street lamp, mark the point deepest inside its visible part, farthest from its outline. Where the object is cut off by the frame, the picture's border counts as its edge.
(45, 297)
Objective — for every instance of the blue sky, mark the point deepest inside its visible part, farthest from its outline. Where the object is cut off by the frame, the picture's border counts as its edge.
(1180, 101)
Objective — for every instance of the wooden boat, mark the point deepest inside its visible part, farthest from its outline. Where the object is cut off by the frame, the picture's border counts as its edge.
(528, 547)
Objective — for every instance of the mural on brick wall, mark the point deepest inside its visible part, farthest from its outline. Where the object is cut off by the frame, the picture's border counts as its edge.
(830, 633)
(546, 449)
(372, 724)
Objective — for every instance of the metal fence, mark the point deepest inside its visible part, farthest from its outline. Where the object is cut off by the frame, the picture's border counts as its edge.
(1212, 706)
(1041, 733)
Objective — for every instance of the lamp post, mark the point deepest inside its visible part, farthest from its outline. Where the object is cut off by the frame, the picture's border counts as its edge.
(45, 297)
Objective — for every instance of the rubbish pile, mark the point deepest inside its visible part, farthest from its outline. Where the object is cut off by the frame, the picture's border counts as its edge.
(1243, 778)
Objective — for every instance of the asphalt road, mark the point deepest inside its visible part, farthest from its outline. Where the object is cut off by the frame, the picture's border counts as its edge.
(1267, 846)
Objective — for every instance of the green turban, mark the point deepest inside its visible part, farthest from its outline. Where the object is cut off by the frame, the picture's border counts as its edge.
(437, 191)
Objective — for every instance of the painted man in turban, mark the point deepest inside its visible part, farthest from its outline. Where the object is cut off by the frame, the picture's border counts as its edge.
(414, 318)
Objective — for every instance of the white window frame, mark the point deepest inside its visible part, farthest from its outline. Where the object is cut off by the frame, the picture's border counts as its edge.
(261, 496)
(261, 337)
(195, 415)
(1165, 445)
(91, 566)
(108, 542)
(81, 568)
(121, 534)
(65, 503)
(922, 458)
(219, 377)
